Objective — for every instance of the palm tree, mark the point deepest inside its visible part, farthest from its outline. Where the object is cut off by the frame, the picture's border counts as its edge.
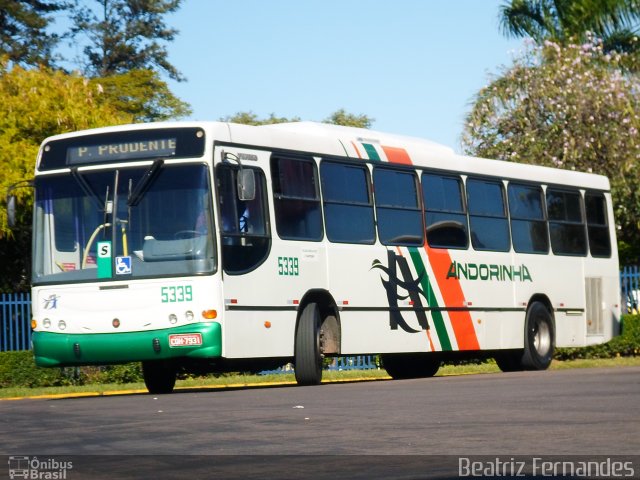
(615, 22)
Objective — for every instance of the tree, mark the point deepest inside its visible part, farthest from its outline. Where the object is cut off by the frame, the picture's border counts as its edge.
(565, 21)
(570, 107)
(35, 104)
(250, 118)
(23, 30)
(141, 94)
(125, 35)
(339, 117)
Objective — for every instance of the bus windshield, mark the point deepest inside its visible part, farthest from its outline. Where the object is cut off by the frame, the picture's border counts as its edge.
(126, 223)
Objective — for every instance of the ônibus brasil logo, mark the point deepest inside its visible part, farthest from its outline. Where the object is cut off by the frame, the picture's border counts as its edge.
(35, 468)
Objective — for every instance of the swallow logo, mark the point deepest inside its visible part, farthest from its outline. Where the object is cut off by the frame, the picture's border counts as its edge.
(408, 283)
(51, 303)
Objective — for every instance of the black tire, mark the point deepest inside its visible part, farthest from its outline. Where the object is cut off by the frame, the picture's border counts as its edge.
(539, 338)
(510, 360)
(401, 366)
(308, 357)
(159, 376)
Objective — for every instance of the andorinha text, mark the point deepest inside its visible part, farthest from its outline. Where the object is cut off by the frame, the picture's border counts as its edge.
(483, 271)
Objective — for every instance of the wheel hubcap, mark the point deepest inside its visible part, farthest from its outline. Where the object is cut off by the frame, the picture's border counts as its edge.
(542, 338)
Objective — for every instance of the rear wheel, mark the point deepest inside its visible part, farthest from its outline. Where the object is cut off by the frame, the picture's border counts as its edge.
(159, 376)
(410, 365)
(539, 338)
(308, 357)
(509, 360)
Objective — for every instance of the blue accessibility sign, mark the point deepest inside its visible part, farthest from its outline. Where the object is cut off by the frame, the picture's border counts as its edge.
(123, 265)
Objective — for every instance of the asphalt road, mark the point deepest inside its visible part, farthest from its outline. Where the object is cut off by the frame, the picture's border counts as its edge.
(563, 413)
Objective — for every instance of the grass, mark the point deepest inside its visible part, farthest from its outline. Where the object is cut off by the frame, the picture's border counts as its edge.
(240, 381)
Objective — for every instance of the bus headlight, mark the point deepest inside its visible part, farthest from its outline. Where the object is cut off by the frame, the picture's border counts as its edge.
(62, 324)
(188, 316)
(173, 318)
(46, 323)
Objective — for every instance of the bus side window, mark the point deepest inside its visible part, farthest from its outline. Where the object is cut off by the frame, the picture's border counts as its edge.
(445, 214)
(397, 207)
(529, 229)
(566, 222)
(296, 199)
(348, 208)
(597, 225)
(245, 230)
(487, 215)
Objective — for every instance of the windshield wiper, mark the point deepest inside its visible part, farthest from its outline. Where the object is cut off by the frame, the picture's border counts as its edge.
(86, 188)
(145, 182)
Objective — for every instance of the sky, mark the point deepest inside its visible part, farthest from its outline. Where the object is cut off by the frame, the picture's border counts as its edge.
(414, 66)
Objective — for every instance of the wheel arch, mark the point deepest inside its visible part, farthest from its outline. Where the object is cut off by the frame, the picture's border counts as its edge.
(330, 329)
(544, 300)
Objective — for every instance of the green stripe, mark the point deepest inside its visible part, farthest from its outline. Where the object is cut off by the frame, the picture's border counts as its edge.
(371, 151)
(438, 319)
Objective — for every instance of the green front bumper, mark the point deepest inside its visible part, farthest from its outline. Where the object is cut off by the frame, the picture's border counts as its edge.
(59, 350)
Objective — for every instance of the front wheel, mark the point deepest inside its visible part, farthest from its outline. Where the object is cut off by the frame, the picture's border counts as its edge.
(159, 376)
(308, 357)
(539, 338)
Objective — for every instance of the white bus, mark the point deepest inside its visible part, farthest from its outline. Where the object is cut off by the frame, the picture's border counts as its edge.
(217, 246)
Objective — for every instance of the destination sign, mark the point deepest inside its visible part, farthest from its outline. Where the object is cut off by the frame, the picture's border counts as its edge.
(161, 147)
(123, 146)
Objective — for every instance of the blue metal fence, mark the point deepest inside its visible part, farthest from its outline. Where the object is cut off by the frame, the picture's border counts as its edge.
(360, 362)
(630, 287)
(15, 322)
(15, 319)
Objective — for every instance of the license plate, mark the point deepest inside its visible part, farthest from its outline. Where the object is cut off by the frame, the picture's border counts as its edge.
(185, 340)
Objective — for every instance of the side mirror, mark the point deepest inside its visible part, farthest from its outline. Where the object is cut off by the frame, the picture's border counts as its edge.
(11, 210)
(246, 185)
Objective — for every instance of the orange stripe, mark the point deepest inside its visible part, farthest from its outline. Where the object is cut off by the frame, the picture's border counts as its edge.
(397, 155)
(453, 297)
(433, 347)
(451, 290)
(356, 149)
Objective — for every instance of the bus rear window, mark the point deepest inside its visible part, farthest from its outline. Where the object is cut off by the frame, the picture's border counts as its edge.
(597, 227)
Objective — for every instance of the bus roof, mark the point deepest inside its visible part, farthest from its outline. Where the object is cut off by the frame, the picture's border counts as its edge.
(425, 153)
(335, 140)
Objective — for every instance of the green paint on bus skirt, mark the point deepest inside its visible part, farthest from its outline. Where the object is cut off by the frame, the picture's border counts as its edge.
(59, 349)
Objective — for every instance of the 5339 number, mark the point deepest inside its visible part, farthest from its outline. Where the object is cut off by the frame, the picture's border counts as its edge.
(178, 293)
(288, 266)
